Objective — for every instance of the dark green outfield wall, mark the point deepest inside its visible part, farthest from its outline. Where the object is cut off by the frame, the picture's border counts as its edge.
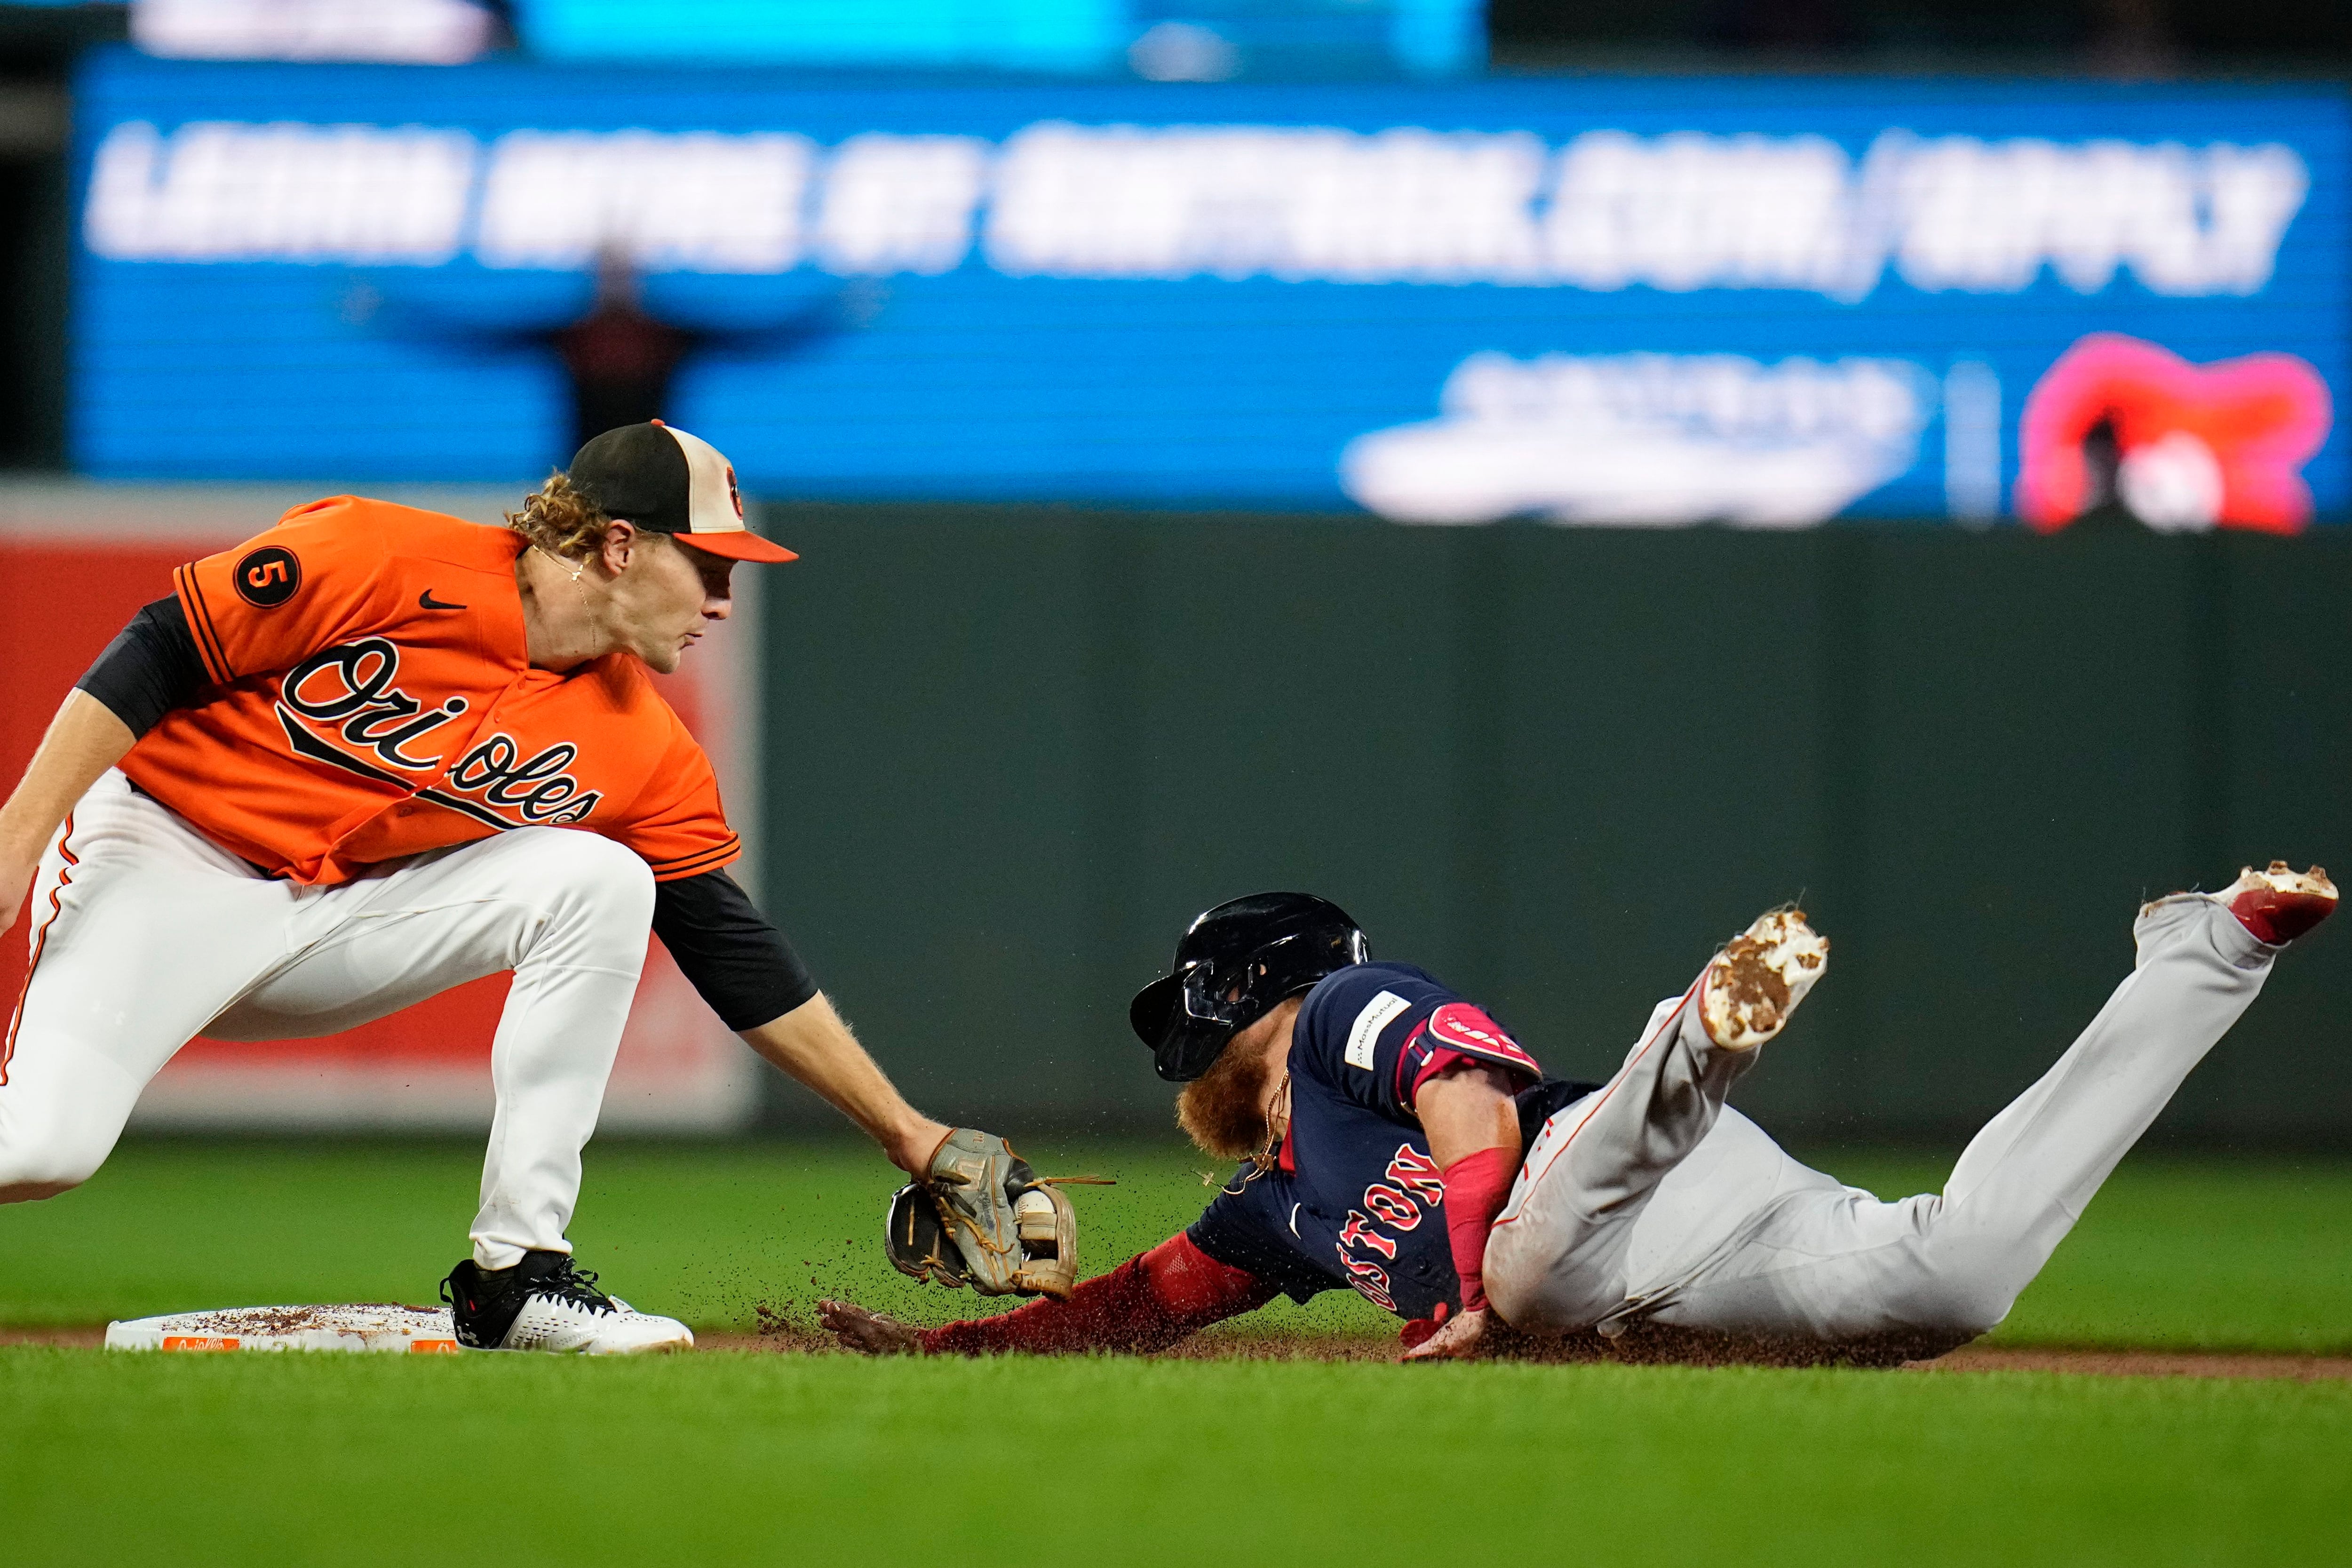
(1010, 754)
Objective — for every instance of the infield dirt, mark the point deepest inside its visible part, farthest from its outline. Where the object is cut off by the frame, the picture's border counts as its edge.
(2082, 1361)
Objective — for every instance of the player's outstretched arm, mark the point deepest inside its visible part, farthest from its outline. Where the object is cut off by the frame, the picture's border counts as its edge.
(1146, 1304)
(812, 1044)
(749, 974)
(868, 1332)
(1472, 1126)
(83, 740)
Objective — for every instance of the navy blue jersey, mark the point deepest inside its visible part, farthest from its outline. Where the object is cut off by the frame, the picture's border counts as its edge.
(1357, 1201)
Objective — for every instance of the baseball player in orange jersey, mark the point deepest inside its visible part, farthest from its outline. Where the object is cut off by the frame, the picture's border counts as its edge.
(376, 753)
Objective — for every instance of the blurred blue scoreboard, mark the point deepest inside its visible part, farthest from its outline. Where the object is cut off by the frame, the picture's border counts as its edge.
(1765, 300)
(1196, 40)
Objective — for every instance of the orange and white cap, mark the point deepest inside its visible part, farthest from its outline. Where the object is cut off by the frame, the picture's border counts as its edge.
(663, 478)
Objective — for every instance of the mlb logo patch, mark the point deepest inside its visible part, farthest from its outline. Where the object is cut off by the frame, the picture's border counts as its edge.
(1379, 1013)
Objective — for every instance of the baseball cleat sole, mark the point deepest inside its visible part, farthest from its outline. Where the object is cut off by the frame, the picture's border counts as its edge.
(563, 1328)
(1756, 982)
(2279, 903)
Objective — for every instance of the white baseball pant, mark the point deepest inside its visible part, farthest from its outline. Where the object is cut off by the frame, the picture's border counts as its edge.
(1650, 1199)
(145, 933)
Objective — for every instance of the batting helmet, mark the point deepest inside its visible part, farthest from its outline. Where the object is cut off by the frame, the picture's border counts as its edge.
(1233, 964)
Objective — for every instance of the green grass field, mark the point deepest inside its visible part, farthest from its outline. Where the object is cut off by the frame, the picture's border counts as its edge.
(758, 1457)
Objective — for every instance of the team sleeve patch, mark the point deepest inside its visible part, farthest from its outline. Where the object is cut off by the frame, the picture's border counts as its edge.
(1462, 1027)
(267, 577)
(1364, 1038)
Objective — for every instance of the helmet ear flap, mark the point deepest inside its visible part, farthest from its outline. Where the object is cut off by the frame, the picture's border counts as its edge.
(1182, 1045)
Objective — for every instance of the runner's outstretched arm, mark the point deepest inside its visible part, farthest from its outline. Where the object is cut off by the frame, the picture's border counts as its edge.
(1146, 1304)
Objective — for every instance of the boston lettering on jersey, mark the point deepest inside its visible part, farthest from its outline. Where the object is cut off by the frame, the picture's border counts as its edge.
(1356, 1199)
(1411, 1175)
(372, 697)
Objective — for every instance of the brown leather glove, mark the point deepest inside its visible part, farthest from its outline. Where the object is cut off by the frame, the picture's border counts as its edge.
(980, 1218)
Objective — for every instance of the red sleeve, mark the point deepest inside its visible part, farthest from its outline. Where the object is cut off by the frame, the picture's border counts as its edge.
(1144, 1304)
(1476, 1187)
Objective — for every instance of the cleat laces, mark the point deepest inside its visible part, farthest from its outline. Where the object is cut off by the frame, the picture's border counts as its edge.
(574, 1286)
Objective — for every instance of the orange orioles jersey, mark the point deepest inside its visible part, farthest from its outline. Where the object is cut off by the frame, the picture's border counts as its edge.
(372, 697)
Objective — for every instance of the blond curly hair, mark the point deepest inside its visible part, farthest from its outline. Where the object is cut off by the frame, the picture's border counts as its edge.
(560, 520)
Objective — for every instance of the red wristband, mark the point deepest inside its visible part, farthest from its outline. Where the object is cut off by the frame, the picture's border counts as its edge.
(1476, 1187)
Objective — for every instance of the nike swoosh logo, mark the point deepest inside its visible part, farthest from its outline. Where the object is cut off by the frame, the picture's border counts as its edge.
(426, 601)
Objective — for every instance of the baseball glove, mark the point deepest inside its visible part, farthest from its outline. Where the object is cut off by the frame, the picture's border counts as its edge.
(981, 1218)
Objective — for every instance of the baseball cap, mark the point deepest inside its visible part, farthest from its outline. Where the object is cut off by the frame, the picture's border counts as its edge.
(664, 479)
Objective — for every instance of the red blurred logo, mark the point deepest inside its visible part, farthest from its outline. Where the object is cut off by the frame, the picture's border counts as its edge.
(2182, 446)
(1465, 1027)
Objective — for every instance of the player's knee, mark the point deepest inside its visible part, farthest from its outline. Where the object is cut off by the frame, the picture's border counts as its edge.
(1539, 1311)
(1960, 1292)
(1972, 1306)
(37, 1166)
(1549, 1300)
(590, 873)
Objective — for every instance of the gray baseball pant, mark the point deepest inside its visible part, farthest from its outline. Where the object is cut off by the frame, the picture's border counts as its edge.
(1650, 1199)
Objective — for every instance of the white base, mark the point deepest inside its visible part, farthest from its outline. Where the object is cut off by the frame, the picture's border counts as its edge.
(363, 1326)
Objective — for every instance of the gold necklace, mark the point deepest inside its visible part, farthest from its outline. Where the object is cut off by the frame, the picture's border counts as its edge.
(1278, 1127)
(559, 561)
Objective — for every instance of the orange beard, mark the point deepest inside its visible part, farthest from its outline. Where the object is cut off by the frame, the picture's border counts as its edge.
(1224, 1110)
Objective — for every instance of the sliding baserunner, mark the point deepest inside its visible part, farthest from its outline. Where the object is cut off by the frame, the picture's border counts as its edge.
(1397, 1139)
(374, 753)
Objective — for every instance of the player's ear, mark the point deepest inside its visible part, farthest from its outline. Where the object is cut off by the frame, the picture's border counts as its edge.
(621, 544)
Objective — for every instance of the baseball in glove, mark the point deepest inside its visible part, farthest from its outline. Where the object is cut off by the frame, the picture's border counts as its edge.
(982, 1217)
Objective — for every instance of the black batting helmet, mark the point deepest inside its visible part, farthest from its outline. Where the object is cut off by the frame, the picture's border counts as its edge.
(1233, 964)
